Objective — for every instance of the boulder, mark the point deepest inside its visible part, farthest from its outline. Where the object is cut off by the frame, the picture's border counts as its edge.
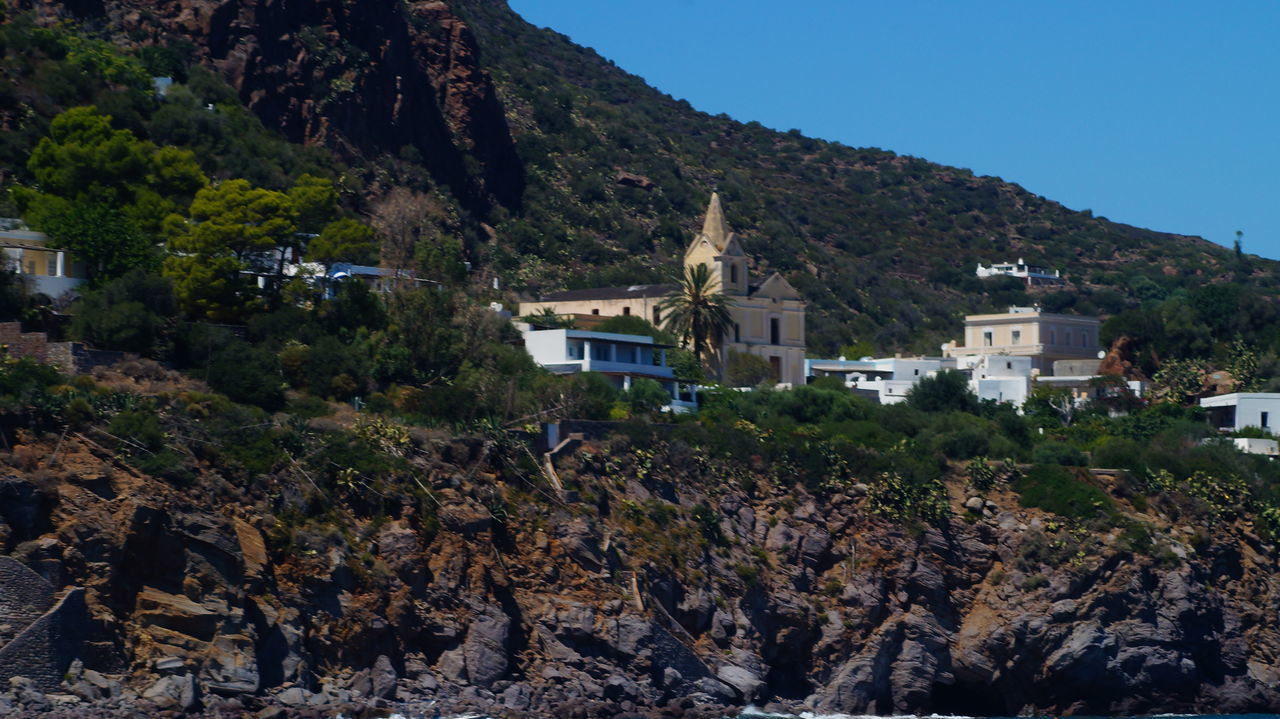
(178, 613)
(177, 692)
(745, 681)
(294, 697)
(382, 679)
(485, 647)
(230, 666)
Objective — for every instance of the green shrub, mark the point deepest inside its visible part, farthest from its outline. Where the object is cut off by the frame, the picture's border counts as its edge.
(946, 391)
(308, 407)
(1056, 489)
(906, 497)
(982, 476)
(747, 370)
(647, 395)
(1058, 453)
(965, 443)
(249, 375)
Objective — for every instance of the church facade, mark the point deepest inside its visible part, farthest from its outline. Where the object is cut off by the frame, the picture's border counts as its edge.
(768, 318)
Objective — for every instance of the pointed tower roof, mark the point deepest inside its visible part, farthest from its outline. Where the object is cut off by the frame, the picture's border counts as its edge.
(714, 228)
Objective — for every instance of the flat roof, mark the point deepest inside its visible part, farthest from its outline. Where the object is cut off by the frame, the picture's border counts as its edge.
(607, 337)
(1226, 400)
(26, 240)
(610, 293)
(1023, 316)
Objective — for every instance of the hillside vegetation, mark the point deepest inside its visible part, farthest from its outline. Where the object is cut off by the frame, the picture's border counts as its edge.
(329, 502)
(882, 245)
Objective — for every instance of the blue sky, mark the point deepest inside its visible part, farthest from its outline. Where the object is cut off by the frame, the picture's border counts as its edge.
(1164, 115)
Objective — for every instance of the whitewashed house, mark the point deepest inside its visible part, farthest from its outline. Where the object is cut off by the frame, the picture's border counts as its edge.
(1031, 274)
(1233, 412)
(621, 358)
(887, 379)
(1000, 378)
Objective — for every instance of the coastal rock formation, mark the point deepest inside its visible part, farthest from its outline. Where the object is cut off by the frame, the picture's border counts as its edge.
(568, 606)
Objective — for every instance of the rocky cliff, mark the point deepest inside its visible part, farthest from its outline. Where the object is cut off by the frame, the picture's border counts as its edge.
(657, 580)
(367, 79)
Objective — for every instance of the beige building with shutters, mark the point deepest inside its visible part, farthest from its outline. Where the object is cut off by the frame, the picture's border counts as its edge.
(768, 317)
(1045, 337)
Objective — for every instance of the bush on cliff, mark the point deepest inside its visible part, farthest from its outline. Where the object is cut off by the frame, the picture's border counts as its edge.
(1056, 489)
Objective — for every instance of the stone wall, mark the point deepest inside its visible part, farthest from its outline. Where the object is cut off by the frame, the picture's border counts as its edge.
(72, 357)
(23, 344)
(24, 596)
(45, 649)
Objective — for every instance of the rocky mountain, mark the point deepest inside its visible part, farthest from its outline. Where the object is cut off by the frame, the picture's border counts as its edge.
(637, 576)
(565, 171)
(363, 79)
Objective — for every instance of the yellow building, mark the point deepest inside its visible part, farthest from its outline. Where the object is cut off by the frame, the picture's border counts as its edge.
(46, 269)
(768, 319)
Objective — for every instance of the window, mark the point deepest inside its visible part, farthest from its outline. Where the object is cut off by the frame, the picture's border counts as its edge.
(1017, 337)
(986, 338)
(775, 332)
(657, 317)
(626, 311)
(53, 267)
(733, 274)
(595, 311)
(1265, 420)
(775, 366)
(737, 332)
(1053, 337)
(917, 373)
(1008, 365)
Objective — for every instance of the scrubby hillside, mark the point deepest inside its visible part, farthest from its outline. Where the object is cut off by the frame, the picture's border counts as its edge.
(563, 170)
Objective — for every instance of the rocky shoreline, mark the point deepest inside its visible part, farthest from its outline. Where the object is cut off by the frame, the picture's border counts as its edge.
(655, 582)
(87, 694)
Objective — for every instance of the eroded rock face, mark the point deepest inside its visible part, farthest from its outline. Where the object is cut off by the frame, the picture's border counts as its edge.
(363, 78)
(843, 612)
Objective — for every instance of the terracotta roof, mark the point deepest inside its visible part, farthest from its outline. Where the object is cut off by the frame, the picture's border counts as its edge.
(610, 293)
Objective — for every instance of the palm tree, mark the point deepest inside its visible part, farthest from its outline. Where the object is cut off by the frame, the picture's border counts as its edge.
(698, 313)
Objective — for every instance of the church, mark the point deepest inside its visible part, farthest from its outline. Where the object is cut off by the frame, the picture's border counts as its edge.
(768, 318)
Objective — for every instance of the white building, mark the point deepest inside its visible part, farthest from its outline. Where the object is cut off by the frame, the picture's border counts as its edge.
(1031, 274)
(621, 358)
(1002, 378)
(887, 379)
(1235, 411)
